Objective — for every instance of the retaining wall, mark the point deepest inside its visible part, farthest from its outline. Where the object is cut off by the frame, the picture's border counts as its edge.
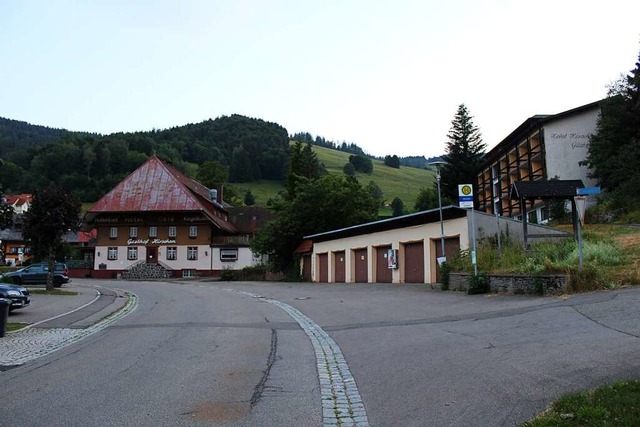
(514, 283)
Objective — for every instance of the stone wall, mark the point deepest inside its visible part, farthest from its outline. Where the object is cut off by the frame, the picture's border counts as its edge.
(144, 270)
(514, 283)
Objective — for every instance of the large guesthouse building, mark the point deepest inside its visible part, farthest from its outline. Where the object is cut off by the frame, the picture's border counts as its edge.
(542, 148)
(159, 219)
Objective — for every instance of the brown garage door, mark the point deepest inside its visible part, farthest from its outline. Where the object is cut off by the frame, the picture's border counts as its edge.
(451, 249)
(323, 268)
(339, 267)
(383, 272)
(306, 267)
(362, 265)
(414, 262)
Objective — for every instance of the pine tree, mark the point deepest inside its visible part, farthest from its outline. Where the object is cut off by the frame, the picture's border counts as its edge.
(464, 152)
(614, 150)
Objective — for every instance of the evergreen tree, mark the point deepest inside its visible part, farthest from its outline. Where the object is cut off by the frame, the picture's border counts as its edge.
(376, 192)
(614, 150)
(427, 199)
(392, 161)
(464, 152)
(349, 169)
(398, 206)
(303, 166)
(249, 198)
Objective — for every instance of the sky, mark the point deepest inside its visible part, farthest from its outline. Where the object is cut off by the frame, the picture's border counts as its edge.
(386, 75)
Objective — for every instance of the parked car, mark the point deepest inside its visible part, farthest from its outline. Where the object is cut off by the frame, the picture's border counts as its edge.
(37, 273)
(18, 295)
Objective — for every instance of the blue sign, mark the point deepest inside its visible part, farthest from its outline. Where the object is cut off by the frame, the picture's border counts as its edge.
(588, 191)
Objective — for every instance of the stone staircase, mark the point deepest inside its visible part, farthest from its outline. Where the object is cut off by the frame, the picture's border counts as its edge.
(143, 270)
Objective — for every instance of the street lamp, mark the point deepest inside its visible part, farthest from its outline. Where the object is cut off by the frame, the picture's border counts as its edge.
(438, 165)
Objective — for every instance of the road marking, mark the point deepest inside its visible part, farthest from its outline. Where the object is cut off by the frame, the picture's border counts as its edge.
(64, 314)
(341, 400)
(28, 344)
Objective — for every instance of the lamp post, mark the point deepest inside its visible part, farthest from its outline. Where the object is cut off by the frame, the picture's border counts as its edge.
(438, 165)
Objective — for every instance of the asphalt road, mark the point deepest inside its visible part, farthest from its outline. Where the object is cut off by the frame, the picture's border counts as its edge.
(199, 354)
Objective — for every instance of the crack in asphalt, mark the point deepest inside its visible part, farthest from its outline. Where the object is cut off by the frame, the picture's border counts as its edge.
(604, 325)
(271, 359)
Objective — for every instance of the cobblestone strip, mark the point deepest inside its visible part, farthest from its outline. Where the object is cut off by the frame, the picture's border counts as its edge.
(341, 401)
(28, 344)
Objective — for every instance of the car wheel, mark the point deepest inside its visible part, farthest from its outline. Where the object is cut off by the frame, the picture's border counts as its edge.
(17, 281)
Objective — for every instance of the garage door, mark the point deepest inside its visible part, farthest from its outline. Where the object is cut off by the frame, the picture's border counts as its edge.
(414, 262)
(339, 267)
(361, 265)
(451, 249)
(383, 272)
(323, 268)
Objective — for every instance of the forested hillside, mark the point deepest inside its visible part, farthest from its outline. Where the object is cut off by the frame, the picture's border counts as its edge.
(14, 133)
(91, 164)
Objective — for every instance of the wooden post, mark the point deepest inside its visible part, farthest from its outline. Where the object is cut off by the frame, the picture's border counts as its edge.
(523, 212)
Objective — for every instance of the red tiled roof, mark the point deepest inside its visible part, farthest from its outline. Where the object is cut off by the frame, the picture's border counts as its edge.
(18, 199)
(304, 247)
(157, 187)
(87, 236)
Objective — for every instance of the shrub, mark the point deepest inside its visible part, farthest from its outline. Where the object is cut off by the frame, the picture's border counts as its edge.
(478, 284)
(445, 271)
(590, 278)
(228, 275)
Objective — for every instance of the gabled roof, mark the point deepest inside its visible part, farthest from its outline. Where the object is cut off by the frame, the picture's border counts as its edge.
(158, 187)
(556, 189)
(18, 199)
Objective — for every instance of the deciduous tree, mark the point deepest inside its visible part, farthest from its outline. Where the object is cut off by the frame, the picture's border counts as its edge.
(53, 213)
(327, 203)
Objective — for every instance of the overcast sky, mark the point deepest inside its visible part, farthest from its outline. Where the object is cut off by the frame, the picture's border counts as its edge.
(387, 75)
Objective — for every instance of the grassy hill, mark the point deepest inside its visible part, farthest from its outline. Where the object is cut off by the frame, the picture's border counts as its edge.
(404, 183)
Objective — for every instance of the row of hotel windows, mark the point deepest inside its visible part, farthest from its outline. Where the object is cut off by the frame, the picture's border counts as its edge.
(171, 253)
(153, 231)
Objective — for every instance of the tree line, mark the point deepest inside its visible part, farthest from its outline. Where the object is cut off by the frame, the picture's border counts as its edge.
(91, 164)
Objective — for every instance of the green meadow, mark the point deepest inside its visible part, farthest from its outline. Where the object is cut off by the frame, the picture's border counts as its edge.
(404, 183)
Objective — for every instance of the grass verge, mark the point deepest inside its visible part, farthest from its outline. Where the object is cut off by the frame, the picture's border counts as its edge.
(15, 326)
(617, 404)
(52, 292)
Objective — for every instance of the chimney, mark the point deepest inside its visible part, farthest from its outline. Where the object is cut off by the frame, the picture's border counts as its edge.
(213, 194)
(219, 195)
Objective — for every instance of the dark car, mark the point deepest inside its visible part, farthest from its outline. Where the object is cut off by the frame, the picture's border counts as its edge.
(18, 295)
(37, 274)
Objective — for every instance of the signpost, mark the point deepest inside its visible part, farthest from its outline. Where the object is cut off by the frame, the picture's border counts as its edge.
(465, 199)
(580, 202)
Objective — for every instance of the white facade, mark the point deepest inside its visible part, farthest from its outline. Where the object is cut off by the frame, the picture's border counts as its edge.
(567, 144)
(429, 234)
(208, 258)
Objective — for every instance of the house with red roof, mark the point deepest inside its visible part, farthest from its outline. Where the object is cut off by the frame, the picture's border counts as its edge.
(19, 202)
(158, 219)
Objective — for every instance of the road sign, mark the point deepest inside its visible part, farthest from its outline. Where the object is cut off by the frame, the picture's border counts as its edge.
(465, 195)
(588, 191)
(581, 206)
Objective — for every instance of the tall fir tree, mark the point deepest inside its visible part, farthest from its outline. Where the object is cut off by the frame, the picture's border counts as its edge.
(464, 152)
(614, 150)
